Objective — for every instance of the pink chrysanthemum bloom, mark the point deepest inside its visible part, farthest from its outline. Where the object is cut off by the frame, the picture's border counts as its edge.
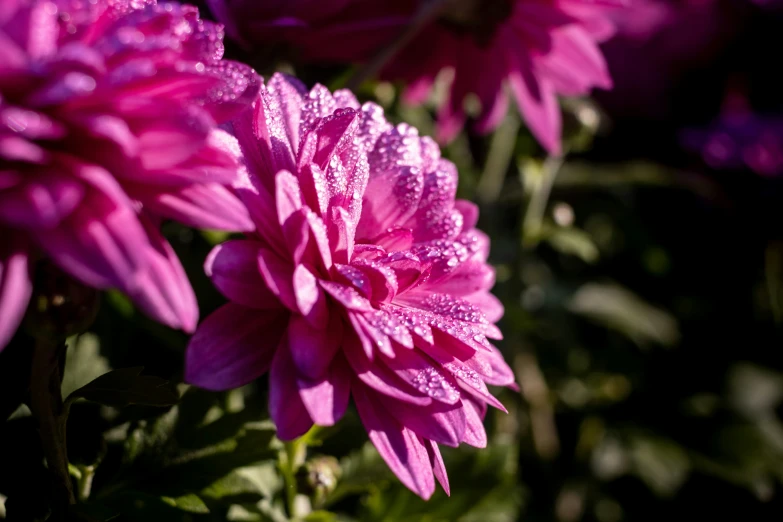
(539, 48)
(108, 123)
(365, 278)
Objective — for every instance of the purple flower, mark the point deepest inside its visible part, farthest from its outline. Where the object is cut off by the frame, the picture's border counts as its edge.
(365, 277)
(539, 48)
(108, 123)
(740, 139)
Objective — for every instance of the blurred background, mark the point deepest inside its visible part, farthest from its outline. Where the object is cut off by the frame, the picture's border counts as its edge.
(643, 283)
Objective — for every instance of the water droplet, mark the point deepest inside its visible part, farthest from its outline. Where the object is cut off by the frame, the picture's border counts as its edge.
(434, 384)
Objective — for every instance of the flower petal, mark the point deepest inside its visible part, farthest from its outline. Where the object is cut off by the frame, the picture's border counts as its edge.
(278, 275)
(402, 449)
(285, 403)
(536, 99)
(443, 423)
(310, 298)
(438, 467)
(326, 399)
(163, 290)
(207, 205)
(101, 243)
(15, 286)
(423, 374)
(378, 376)
(40, 202)
(474, 433)
(391, 198)
(233, 346)
(233, 268)
(312, 349)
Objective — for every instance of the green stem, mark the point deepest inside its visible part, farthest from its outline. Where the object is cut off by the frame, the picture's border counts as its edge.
(533, 221)
(291, 459)
(501, 153)
(46, 404)
(84, 484)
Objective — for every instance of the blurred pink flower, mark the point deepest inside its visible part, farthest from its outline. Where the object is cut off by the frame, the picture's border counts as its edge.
(739, 139)
(540, 48)
(108, 123)
(365, 277)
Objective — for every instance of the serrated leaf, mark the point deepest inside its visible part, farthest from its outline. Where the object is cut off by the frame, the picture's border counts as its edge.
(127, 386)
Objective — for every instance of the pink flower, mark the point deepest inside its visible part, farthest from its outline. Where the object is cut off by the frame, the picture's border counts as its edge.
(365, 277)
(739, 139)
(108, 123)
(539, 48)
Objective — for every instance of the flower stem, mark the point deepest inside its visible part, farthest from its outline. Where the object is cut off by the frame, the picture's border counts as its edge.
(427, 12)
(533, 220)
(46, 404)
(290, 459)
(85, 482)
(501, 154)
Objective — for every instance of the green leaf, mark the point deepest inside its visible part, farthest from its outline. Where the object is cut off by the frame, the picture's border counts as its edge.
(321, 516)
(148, 439)
(572, 241)
(127, 386)
(662, 464)
(620, 309)
(200, 469)
(774, 276)
(362, 470)
(264, 511)
(484, 488)
(234, 488)
(137, 506)
(755, 391)
(84, 363)
(190, 503)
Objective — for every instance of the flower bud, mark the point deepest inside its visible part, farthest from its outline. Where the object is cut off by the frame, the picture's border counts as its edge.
(319, 477)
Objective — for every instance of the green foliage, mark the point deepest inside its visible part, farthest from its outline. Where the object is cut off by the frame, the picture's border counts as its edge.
(127, 386)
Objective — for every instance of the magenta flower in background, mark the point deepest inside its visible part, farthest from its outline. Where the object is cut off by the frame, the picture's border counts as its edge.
(539, 48)
(108, 123)
(739, 139)
(365, 277)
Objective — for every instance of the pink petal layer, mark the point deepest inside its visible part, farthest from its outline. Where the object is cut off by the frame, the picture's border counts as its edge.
(233, 346)
(326, 399)
(286, 407)
(402, 449)
(233, 268)
(15, 287)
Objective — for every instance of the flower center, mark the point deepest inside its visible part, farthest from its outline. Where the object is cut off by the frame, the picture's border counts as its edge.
(479, 18)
